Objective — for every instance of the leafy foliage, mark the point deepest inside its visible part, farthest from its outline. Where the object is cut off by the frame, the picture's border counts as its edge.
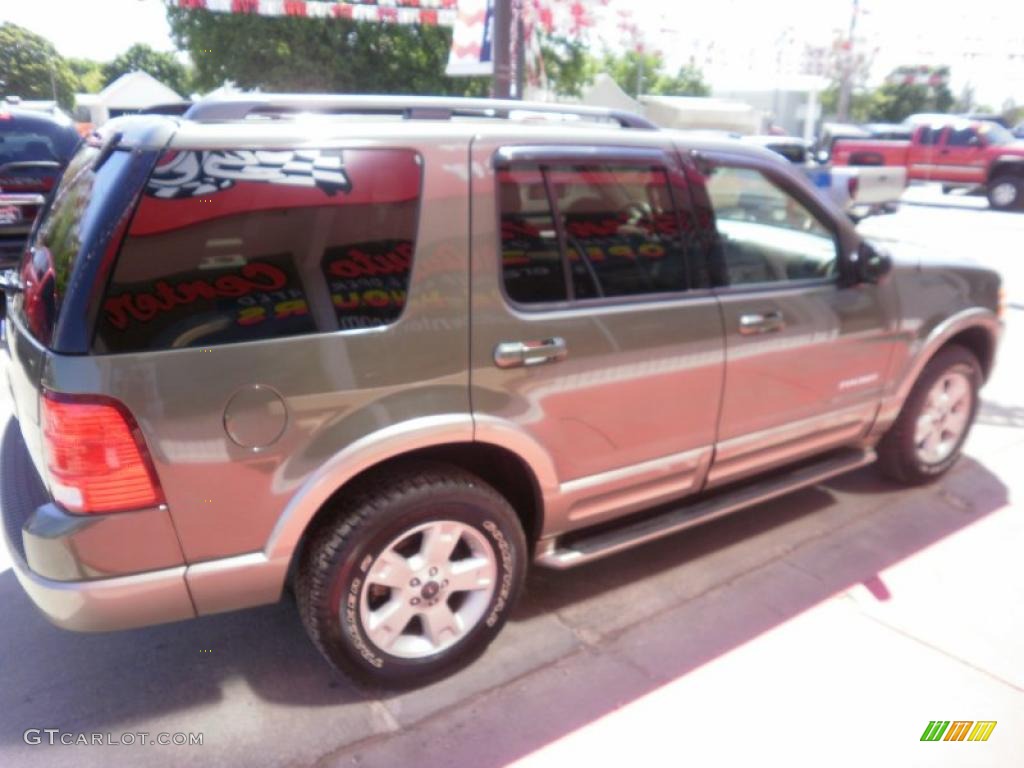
(30, 67)
(688, 81)
(568, 65)
(89, 74)
(634, 71)
(304, 55)
(165, 67)
(895, 100)
(640, 72)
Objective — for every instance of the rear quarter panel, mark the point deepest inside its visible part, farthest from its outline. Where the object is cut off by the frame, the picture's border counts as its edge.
(338, 388)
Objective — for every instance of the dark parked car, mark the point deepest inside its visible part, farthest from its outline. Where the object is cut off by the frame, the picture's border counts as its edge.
(34, 149)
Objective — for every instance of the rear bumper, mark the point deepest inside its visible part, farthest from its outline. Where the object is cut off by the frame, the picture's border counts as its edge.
(87, 605)
(109, 604)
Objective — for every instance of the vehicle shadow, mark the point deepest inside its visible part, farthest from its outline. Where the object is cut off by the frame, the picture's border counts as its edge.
(209, 673)
(866, 526)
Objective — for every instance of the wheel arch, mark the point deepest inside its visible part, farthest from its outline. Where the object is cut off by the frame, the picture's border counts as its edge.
(516, 467)
(976, 329)
(1006, 166)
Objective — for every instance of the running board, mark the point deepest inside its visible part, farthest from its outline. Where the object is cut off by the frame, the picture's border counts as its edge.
(579, 548)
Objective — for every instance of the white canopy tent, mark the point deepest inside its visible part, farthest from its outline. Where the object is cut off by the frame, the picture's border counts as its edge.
(129, 93)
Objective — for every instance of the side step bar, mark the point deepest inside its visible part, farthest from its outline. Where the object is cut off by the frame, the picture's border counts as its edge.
(579, 548)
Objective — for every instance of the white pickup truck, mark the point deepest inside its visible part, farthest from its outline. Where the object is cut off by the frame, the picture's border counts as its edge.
(858, 190)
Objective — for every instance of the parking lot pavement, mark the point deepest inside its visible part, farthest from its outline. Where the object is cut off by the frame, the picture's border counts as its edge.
(829, 626)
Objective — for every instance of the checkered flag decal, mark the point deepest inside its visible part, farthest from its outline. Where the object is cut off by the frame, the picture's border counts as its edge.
(200, 174)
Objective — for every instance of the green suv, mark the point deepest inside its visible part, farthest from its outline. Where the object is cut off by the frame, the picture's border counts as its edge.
(390, 351)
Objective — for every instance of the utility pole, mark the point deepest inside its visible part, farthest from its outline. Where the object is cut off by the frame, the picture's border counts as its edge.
(501, 49)
(846, 77)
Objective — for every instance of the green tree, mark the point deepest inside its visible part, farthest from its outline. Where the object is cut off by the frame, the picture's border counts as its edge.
(307, 55)
(911, 89)
(636, 72)
(568, 65)
(164, 66)
(688, 81)
(31, 68)
(893, 102)
(89, 74)
(860, 103)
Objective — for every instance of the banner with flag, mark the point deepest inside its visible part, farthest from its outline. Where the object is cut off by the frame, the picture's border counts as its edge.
(425, 12)
(472, 40)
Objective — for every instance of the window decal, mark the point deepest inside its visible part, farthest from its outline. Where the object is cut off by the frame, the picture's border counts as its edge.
(199, 174)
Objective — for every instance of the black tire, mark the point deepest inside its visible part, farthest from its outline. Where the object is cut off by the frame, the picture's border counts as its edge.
(898, 456)
(342, 549)
(998, 193)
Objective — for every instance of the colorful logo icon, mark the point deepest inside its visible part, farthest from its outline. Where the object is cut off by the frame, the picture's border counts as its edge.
(958, 730)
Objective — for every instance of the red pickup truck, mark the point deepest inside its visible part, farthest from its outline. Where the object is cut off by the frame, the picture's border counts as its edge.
(957, 153)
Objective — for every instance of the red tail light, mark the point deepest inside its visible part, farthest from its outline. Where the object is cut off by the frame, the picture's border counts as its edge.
(96, 455)
(853, 184)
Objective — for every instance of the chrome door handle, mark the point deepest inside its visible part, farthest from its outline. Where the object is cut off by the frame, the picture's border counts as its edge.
(767, 322)
(517, 354)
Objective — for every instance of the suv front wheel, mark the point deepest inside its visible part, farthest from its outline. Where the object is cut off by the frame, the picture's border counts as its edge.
(412, 576)
(926, 439)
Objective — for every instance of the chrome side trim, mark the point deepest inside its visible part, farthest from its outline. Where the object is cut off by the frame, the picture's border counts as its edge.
(624, 490)
(750, 454)
(632, 533)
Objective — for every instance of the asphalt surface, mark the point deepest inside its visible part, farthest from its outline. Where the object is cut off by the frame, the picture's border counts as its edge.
(828, 627)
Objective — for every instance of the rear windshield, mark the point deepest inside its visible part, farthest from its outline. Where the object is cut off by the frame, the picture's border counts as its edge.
(47, 265)
(230, 246)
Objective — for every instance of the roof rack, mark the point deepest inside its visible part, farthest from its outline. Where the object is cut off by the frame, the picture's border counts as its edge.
(407, 107)
(170, 108)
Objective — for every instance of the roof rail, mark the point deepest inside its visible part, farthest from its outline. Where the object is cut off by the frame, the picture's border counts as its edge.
(407, 107)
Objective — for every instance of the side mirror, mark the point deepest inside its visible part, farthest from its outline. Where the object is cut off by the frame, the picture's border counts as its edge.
(870, 264)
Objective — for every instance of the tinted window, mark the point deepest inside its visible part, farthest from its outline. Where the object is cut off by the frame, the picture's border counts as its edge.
(930, 135)
(233, 246)
(617, 229)
(530, 253)
(962, 137)
(76, 207)
(28, 139)
(766, 234)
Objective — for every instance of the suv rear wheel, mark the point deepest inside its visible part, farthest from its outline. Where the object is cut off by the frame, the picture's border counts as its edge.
(926, 439)
(412, 576)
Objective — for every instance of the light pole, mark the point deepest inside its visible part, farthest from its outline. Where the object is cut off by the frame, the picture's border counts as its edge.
(846, 77)
(501, 53)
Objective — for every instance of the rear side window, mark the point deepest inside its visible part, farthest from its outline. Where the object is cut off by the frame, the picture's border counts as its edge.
(592, 231)
(234, 246)
(76, 210)
(931, 134)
